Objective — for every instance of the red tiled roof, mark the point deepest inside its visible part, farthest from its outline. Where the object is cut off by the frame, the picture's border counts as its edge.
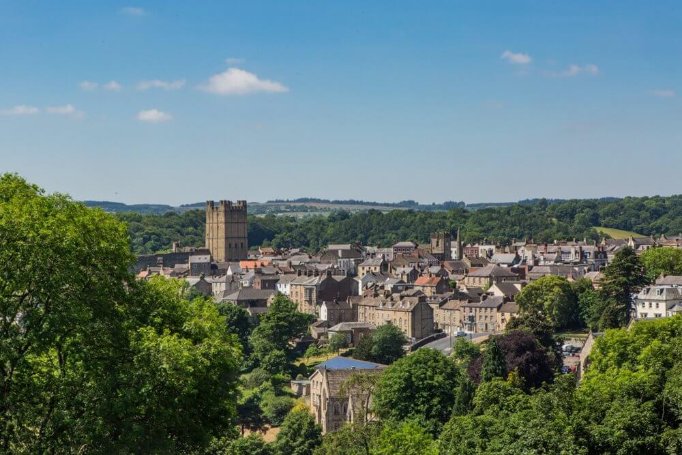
(427, 281)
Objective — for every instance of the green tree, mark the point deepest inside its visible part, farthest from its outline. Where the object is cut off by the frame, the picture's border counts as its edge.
(238, 321)
(464, 351)
(89, 357)
(405, 438)
(588, 302)
(464, 397)
(249, 413)
(552, 297)
(252, 444)
(337, 342)
(623, 278)
(276, 407)
(494, 363)
(299, 434)
(662, 261)
(350, 439)
(421, 385)
(278, 327)
(384, 345)
(468, 434)
(183, 375)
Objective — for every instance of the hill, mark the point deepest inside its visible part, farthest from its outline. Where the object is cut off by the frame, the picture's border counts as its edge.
(617, 233)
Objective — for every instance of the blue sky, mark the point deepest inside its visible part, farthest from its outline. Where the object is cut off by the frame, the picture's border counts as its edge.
(177, 102)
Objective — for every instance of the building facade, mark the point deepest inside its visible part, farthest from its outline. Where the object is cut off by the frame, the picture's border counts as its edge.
(226, 230)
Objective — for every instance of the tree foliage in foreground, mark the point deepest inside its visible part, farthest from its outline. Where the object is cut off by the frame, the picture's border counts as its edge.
(662, 261)
(384, 345)
(421, 385)
(91, 360)
(623, 278)
(299, 434)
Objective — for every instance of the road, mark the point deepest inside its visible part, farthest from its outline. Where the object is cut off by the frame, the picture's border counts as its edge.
(443, 344)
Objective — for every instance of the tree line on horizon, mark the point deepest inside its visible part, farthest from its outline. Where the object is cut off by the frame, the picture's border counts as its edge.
(537, 220)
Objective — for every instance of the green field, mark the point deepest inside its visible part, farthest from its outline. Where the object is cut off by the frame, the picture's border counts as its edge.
(617, 233)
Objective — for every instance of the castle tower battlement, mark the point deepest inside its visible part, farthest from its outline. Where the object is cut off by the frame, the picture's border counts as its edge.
(226, 230)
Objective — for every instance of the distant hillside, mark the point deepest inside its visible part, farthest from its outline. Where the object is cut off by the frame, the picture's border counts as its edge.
(119, 207)
(617, 233)
(300, 207)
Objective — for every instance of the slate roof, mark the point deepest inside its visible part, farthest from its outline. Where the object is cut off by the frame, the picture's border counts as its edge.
(503, 258)
(346, 363)
(490, 302)
(346, 326)
(492, 270)
(508, 288)
(670, 280)
(509, 307)
(250, 294)
(372, 262)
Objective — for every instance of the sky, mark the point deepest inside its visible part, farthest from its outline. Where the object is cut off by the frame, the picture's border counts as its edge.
(179, 102)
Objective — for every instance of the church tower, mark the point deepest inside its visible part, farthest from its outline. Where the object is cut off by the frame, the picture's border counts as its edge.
(440, 245)
(226, 230)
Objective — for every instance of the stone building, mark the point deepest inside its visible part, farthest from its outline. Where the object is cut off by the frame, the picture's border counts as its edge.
(331, 404)
(432, 284)
(410, 313)
(226, 230)
(337, 311)
(489, 275)
(448, 316)
(404, 248)
(481, 317)
(441, 246)
(658, 301)
(308, 292)
(373, 265)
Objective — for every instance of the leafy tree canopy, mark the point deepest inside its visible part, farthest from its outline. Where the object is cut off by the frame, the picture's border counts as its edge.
(428, 378)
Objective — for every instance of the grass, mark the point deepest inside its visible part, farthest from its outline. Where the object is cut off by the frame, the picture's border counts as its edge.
(617, 233)
(573, 334)
(315, 360)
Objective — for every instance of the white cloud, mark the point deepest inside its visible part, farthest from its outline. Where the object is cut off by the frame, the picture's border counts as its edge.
(153, 116)
(88, 86)
(165, 85)
(133, 11)
(576, 70)
(664, 93)
(21, 109)
(235, 81)
(234, 60)
(112, 86)
(67, 110)
(516, 58)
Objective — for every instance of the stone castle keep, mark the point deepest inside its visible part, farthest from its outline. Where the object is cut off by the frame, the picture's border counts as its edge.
(226, 230)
